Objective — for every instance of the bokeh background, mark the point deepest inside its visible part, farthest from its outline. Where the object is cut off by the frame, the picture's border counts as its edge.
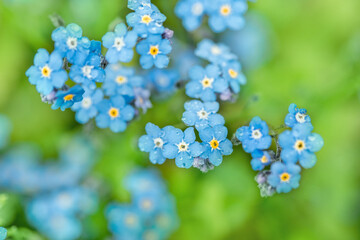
(308, 53)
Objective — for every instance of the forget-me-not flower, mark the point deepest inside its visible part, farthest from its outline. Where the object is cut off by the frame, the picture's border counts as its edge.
(65, 99)
(202, 115)
(216, 144)
(70, 42)
(114, 113)
(87, 109)
(164, 80)
(300, 144)
(216, 53)
(255, 136)
(120, 44)
(296, 116)
(191, 12)
(232, 73)
(284, 177)
(205, 83)
(153, 51)
(182, 146)
(260, 159)
(47, 72)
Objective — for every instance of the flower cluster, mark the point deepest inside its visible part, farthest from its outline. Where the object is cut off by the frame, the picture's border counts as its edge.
(56, 214)
(222, 14)
(280, 172)
(3, 233)
(222, 77)
(103, 88)
(150, 215)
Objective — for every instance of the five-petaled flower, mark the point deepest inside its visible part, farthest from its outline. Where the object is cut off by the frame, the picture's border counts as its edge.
(284, 177)
(296, 116)
(191, 12)
(65, 99)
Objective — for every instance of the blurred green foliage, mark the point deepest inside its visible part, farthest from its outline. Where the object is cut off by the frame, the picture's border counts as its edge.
(316, 64)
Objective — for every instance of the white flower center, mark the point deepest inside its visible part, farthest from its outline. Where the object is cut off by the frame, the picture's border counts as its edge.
(146, 204)
(87, 71)
(202, 114)
(299, 145)
(215, 50)
(183, 146)
(71, 43)
(300, 118)
(162, 81)
(121, 80)
(130, 219)
(197, 9)
(119, 43)
(256, 134)
(158, 142)
(86, 102)
(207, 82)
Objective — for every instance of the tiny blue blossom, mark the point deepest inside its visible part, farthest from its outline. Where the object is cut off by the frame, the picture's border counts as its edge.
(205, 83)
(135, 4)
(214, 53)
(260, 159)
(121, 80)
(153, 51)
(142, 99)
(232, 73)
(114, 113)
(300, 144)
(255, 136)
(164, 80)
(87, 109)
(226, 14)
(202, 115)
(146, 21)
(47, 72)
(70, 43)
(191, 13)
(215, 144)
(153, 143)
(120, 44)
(65, 99)
(296, 116)
(182, 146)
(87, 71)
(284, 177)
(95, 47)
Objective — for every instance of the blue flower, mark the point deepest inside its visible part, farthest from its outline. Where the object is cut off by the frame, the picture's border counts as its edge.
(114, 113)
(299, 144)
(146, 21)
(205, 83)
(284, 177)
(191, 12)
(142, 99)
(296, 116)
(70, 43)
(226, 14)
(261, 159)
(120, 44)
(87, 109)
(135, 4)
(65, 99)
(164, 80)
(153, 143)
(47, 72)
(202, 115)
(95, 47)
(255, 136)
(214, 53)
(121, 80)
(87, 71)
(153, 51)
(3, 233)
(216, 144)
(182, 146)
(232, 73)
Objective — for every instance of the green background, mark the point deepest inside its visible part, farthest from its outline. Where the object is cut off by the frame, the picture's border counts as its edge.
(315, 63)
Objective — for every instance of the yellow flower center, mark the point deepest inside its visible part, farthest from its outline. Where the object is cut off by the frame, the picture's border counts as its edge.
(225, 10)
(233, 73)
(114, 112)
(121, 80)
(146, 204)
(46, 71)
(285, 177)
(207, 82)
(69, 97)
(264, 159)
(214, 143)
(154, 50)
(300, 145)
(130, 219)
(146, 19)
